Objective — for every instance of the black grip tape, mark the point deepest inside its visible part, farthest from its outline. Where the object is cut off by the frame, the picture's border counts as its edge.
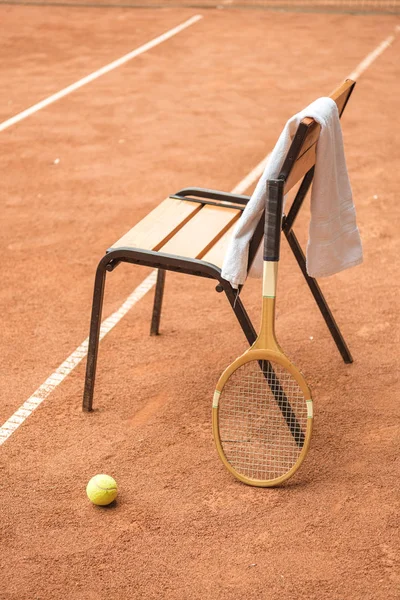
(273, 219)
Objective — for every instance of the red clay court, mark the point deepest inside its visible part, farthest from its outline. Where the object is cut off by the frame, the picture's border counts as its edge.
(201, 107)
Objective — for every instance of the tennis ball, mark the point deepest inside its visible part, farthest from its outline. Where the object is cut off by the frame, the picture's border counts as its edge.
(102, 489)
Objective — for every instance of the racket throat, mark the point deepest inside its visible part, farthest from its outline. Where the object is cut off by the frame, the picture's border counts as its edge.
(267, 338)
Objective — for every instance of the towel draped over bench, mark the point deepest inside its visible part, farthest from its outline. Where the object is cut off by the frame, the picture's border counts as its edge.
(334, 242)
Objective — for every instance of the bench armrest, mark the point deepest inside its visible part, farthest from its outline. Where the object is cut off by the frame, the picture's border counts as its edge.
(213, 195)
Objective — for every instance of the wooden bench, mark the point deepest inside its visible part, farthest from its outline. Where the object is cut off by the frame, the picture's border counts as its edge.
(189, 232)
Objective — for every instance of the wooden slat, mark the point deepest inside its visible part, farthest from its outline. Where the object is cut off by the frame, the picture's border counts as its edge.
(307, 153)
(196, 238)
(217, 253)
(312, 135)
(340, 96)
(159, 225)
(301, 167)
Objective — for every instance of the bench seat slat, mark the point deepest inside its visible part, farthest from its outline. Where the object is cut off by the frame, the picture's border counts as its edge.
(200, 234)
(159, 225)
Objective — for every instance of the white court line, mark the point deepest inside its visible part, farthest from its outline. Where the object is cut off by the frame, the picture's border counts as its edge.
(369, 59)
(108, 324)
(72, 361)
(116, 63)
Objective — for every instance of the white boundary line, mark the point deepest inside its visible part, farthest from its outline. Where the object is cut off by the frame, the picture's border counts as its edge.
(8, 428)
(72, 361)
(116, 63)
(369, 59)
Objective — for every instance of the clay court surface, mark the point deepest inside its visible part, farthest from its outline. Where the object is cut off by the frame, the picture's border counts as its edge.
(202, 108)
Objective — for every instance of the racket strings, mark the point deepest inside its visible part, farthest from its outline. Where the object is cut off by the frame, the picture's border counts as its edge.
(262, 420)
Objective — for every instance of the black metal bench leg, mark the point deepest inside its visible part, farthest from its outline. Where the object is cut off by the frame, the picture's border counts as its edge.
(94, 334)
(319, 298)
(158, 298)
(240, 312)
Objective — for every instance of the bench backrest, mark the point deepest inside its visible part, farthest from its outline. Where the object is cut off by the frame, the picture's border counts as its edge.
(300, 159)
(301, 156)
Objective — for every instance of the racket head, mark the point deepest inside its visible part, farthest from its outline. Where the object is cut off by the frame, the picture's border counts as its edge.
(262, 418)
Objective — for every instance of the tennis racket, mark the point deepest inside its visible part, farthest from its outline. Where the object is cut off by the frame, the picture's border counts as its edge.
(262, 406)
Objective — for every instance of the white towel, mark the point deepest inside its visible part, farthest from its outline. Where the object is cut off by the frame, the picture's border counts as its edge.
(334, 242)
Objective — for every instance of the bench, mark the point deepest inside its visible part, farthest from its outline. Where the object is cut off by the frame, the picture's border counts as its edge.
(189, 232)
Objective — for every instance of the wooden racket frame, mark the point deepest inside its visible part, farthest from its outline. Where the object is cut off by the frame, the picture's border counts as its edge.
(274, 356)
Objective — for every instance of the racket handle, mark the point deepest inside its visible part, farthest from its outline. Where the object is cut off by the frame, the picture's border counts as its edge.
(273, 219)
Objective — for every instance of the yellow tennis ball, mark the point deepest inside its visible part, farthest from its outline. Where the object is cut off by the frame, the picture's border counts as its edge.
(102, 489)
